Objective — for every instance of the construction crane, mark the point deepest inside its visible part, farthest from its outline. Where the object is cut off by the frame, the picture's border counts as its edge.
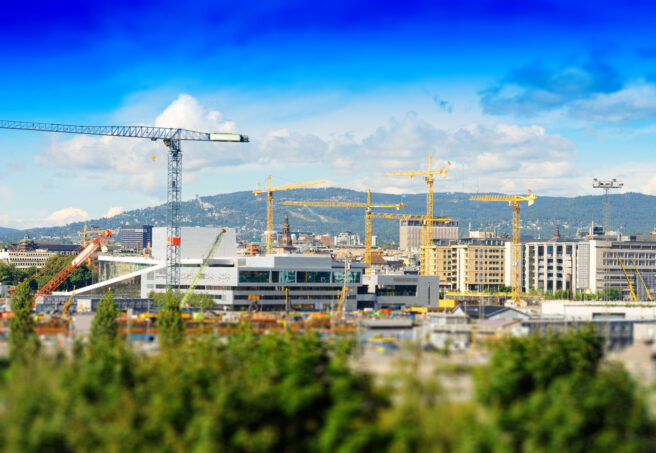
(633, 294)
(85, 233)
(348, 204)
(203, 266)
(513, 201)
(644, 285)
(172, 138)
(269, 191)
(68, 270)
(68, 303)
(42, 271)
(410, 218)
(427, 227)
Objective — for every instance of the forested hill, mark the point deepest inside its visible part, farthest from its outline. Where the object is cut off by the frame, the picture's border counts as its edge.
(631, 212)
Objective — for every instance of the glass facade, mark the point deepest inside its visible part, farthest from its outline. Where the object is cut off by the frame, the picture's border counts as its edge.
(351, 277)
(253, 276)
(312, 277)
(396, 290)
(112, 269)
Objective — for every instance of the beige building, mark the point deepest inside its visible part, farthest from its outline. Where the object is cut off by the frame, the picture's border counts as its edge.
(410, 234)
(25, 260)
(471, 265)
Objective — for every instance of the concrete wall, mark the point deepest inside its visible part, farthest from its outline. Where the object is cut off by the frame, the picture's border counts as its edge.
(196, 242)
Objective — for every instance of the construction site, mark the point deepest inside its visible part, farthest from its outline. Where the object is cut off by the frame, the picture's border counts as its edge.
(341, 284)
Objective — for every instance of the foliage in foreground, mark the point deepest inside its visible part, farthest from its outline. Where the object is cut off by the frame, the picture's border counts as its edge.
(270, 393)
(287, 392)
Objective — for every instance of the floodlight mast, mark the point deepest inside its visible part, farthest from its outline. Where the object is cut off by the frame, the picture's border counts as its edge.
(607, 185)
(172, 138)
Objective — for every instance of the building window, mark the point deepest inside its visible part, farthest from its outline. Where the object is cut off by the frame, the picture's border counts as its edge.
(253, 276)
(313, 277)
(396, 290)
(351, 277)
(287, 277)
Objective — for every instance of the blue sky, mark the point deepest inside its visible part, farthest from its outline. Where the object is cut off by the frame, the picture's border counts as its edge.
(541, 95)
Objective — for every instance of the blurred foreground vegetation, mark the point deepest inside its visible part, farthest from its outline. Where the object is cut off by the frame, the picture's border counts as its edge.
(289, 392)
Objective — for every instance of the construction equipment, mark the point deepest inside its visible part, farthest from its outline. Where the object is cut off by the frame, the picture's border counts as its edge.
(644, 285)
(420, 218)
(409, 217)
(269, 191)
(43, 270)
(513, 201)
(367, 217)
(67, 305)
(633, 294)
(85, 232)
(68, 270)
(172, 138)
(606, 186)
(427, 226)
(203, 266)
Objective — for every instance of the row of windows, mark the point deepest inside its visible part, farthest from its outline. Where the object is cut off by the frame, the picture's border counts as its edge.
(300, 297)
(298, 277)
(396, 290)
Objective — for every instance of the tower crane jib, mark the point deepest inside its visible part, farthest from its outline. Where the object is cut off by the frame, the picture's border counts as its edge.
(172, 138)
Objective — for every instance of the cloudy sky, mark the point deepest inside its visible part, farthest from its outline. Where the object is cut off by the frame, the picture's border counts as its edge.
(541, 95)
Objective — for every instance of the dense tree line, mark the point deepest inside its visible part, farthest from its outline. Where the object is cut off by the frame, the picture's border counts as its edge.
(11, 275)
(291, 392)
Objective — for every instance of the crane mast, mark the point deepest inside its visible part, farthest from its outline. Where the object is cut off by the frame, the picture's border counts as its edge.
(427, 225)
(172, 138)
(516, 251)
(269, 191)
(346, 204)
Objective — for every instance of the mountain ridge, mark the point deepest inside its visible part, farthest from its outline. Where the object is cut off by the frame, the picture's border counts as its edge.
(631, 212)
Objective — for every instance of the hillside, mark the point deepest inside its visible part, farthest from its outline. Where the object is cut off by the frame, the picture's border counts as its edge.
(632, 212)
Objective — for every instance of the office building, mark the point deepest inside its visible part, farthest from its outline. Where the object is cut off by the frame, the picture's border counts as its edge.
(137, 237)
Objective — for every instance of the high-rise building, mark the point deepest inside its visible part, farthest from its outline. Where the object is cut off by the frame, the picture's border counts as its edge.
(137, 237)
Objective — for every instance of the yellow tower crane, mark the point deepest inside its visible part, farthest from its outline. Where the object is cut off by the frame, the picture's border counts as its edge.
(84, 233)
(347, 204)
(427, 227)
(512, 200)
(269, 191)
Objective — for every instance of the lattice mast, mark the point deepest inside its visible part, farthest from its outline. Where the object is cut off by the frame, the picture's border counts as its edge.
(516, 250)
(427, 225)
(607, 186)
(172, 138)
(345, 204)
(269, 191)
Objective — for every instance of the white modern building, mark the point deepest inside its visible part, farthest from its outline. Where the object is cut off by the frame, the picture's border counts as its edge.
(306, 282)
(550, 266)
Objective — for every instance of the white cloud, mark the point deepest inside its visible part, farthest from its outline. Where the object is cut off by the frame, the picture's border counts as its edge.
(114, 211)
(505, 157)
(128, 163)
(65, 216)
(502, 156)
(636, 102)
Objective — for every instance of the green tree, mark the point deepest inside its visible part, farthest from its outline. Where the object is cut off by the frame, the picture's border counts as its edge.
(104, 328)
(203, 301)
(170, 325)
(551, 393)
(22, 338)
